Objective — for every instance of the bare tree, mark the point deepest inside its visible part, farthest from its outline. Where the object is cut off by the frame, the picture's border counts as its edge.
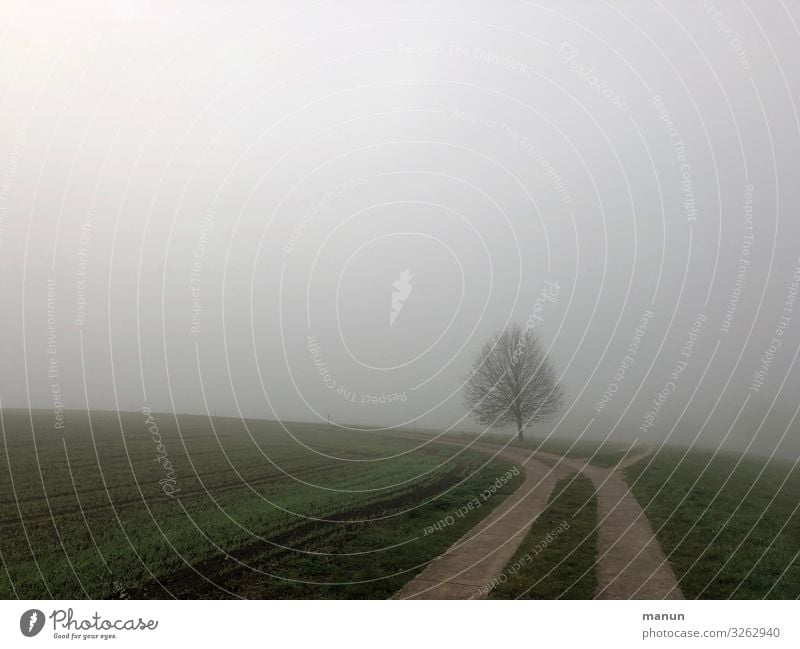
(513, 381)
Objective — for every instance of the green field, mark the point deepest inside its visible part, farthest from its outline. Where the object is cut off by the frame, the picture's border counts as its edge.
(122, 506)
(729, 525)
(254, 510)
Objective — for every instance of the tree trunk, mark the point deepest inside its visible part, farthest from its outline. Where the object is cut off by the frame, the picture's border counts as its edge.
(519, 428)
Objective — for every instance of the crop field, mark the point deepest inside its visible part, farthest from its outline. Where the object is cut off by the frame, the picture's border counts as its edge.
(729, 524)
(149, 505)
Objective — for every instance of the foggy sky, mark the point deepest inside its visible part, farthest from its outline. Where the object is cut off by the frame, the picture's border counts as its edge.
(203, 204)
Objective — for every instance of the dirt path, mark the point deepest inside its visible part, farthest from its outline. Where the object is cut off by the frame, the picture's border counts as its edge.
(630, 562)
(467, 568)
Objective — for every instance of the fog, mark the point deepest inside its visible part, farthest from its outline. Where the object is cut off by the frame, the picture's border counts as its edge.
(207, 208)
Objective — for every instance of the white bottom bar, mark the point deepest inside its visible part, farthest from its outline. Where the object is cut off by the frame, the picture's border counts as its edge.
(401, 623)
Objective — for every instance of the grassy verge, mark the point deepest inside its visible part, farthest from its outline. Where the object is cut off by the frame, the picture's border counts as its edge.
(728, 529)
(556, 559)
(596, 452)
(599, 453)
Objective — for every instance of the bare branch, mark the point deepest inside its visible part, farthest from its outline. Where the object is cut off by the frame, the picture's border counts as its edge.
(513, 382)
